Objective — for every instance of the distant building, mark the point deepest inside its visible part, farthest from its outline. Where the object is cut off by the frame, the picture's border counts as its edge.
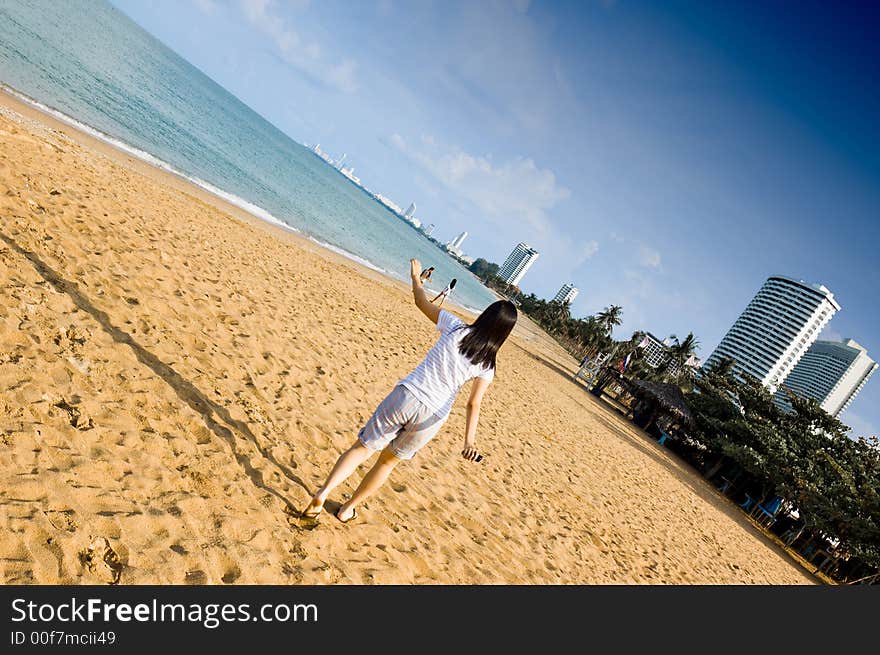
(349, 173)
(430, 229)
(457, 241)
(410, 211)
(831, 372)
(517, 263)
(566, 294)
(776, 328)
(388, 203)
(656, 353)
(654, 349)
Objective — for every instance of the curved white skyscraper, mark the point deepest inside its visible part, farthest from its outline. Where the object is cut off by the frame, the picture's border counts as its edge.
(832, 373)
(517, 263)
(776, 328)
(454, 246)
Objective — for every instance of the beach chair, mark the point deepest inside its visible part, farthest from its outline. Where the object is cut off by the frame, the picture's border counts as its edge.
(748, 502)
(765, 515)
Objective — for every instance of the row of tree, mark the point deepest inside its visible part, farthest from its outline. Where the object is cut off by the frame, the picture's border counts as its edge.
(804, 456)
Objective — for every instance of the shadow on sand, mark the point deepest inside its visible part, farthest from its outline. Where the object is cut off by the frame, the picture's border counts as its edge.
(224, 426)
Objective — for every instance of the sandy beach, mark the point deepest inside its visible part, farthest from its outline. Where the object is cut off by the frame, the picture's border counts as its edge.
(176, 375)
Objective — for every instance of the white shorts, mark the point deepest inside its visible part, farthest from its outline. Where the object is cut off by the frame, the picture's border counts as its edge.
(401, 423)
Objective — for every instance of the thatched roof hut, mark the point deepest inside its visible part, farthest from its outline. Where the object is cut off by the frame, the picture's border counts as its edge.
(668, 396)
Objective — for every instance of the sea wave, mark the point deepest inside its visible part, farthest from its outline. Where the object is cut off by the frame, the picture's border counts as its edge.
(355, 258)
(145, 156)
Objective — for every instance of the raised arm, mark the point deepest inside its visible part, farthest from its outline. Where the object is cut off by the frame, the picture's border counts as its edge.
(478, 388)
(422, 302)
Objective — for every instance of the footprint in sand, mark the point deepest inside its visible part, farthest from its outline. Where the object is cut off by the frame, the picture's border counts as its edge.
(598, 542)
(233, 573)
(100, 559)
(195, 577)
(398, 488)
(62, 519)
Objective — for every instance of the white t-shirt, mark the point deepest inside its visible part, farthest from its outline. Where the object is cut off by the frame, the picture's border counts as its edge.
(436, 381)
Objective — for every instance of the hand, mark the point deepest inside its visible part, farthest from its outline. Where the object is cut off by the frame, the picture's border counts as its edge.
(415, 268)
(471, 454)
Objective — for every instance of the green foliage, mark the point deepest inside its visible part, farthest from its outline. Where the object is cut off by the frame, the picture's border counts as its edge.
(804, 456)
(483, 269)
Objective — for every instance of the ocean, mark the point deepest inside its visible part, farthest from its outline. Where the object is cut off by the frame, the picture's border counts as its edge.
(91, 66)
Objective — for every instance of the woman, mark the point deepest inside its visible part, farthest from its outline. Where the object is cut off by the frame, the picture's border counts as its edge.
(417, 407)
(426, 274)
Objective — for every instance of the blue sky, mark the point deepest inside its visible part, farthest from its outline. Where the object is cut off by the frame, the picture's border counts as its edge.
(663, 156)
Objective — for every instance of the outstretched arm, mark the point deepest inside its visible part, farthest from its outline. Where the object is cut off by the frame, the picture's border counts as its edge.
(473, 416)
(421, 300)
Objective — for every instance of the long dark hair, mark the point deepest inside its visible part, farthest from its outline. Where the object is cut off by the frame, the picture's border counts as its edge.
(485, 335)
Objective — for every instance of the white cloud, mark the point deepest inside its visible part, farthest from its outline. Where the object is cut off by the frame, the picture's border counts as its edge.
(512, 192)
(649, 258)
(303, 55)
(589, 249)
(206, 6)
(830, 334)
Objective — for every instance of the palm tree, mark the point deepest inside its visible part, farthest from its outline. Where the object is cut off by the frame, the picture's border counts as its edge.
(723, 367)
(591, 334)
(679, 353)
(610, 316)
(558, 312)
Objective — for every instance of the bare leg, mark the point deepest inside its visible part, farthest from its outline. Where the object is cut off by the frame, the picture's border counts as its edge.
(345, 466)
(370, 484)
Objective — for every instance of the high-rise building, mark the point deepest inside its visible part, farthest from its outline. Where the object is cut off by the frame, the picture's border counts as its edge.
(410, 211)
(776, 328)
(430, 229)
(831, 372)
(566, 294)
(455, 244)
(656, 353)
(654, 349)
(517, 263)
